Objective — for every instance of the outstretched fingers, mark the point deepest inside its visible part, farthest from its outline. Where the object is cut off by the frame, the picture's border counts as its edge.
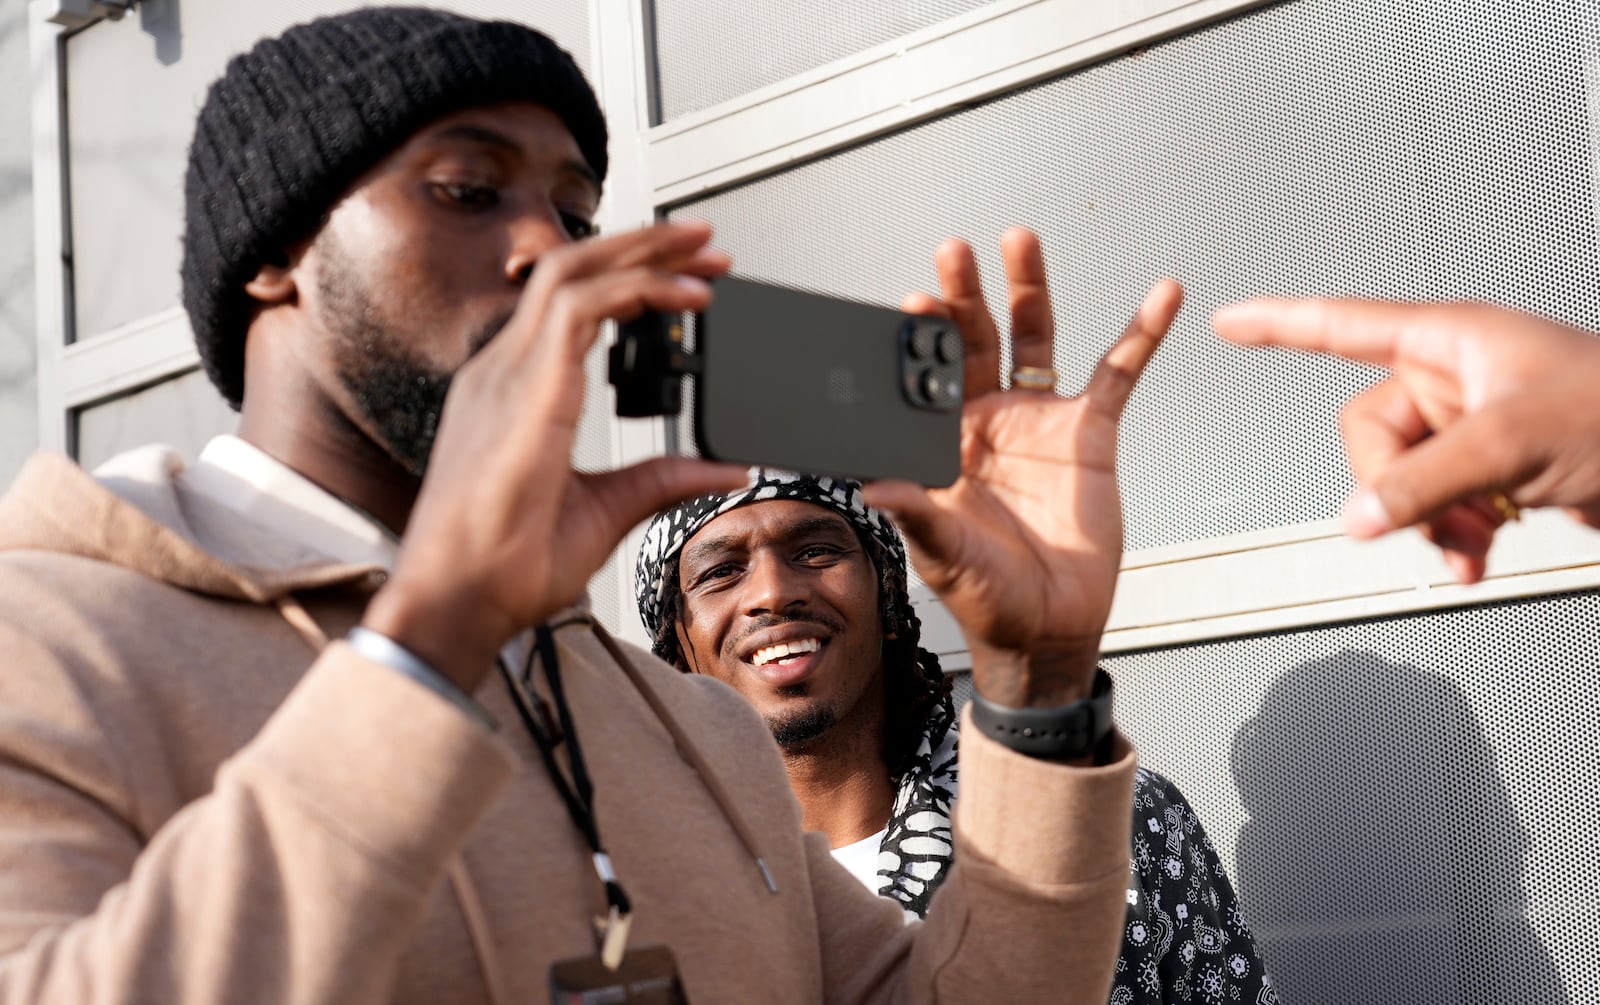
(1119, 369)
(1028, 291)
(963, 298)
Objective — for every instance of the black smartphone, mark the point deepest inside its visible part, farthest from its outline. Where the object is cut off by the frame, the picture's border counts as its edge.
(805, 382)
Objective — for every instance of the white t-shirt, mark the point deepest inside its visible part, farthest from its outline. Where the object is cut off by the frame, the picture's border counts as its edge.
(861, 858)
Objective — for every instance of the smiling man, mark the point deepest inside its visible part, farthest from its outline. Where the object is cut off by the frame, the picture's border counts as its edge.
(793, 591)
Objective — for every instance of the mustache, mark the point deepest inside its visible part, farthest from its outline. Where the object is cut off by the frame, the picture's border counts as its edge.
(766, 621)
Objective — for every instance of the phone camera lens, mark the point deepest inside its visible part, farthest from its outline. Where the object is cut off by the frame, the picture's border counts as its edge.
(939, 387)
(952, 391)
(949, 346)
(922, 343)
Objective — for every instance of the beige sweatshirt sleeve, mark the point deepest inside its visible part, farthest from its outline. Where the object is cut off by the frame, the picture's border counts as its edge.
(1031, 910)
(299, 879)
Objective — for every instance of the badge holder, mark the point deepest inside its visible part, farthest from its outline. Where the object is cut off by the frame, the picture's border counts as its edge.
(617, 975)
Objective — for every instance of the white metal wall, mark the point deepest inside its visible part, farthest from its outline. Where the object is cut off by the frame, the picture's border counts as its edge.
(17, 367)
(1394, 767)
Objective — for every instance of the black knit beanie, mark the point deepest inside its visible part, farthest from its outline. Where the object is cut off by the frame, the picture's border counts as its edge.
(294, 121)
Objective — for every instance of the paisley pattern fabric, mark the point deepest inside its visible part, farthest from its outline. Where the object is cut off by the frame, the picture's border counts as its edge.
(1184, 940)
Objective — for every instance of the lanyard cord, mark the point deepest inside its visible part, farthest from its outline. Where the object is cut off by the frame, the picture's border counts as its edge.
(582, 813)
(579, 795)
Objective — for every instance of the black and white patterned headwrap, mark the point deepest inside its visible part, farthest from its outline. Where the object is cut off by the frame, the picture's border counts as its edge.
(671, 529)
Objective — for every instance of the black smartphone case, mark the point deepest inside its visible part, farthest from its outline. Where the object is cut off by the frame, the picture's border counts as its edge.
(818, 385)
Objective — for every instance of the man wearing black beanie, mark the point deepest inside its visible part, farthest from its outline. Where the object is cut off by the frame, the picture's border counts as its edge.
(321, 718)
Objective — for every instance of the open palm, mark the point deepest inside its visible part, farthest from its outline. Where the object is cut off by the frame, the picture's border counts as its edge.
(1025, 547)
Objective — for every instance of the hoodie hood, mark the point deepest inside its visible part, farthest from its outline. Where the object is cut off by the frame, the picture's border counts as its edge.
(134, 512)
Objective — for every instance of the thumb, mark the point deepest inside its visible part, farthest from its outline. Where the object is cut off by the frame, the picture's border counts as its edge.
(1482, 453)
(632, 494)
(934, 536)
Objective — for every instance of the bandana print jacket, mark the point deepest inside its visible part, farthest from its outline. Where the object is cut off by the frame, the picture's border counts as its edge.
(1185, 938)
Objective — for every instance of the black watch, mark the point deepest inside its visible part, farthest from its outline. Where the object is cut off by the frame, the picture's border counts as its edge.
(1064, 733)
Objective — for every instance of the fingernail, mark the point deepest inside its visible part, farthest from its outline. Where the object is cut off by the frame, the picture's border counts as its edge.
(692, 284)
(1365, 516)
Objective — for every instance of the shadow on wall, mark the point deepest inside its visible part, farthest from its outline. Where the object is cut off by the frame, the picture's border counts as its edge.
(1383, 854)
(161, 21)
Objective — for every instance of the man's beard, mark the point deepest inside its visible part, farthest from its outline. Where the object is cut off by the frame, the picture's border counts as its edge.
(793, 729)
(400, 395)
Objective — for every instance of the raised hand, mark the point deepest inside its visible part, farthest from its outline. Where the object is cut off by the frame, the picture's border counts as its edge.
(504, 532)
(1486, 409)
(1025, 547)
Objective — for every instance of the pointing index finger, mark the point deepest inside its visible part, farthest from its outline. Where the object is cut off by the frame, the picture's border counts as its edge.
(1369, 331)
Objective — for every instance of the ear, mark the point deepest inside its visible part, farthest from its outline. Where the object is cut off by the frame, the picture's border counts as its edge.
(275, 282)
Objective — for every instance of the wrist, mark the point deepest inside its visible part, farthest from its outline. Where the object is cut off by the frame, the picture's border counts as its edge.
(459, 641)
(1043, 678)
(379, 648)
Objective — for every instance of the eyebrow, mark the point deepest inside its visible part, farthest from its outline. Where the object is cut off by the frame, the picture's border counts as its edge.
(485, 136)
(800, 528)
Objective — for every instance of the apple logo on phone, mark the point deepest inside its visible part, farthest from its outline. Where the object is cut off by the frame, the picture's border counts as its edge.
(842, 389)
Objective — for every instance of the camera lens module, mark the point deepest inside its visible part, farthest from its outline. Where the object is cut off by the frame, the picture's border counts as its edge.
(923, 342)
(930, 364)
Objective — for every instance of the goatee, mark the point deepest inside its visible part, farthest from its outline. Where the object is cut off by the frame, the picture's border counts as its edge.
(792, 729)
(401, 395)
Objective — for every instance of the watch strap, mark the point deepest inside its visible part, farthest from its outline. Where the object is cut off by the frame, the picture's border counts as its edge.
(1060, 733)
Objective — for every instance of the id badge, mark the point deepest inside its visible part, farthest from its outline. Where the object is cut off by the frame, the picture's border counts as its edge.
(646, 976)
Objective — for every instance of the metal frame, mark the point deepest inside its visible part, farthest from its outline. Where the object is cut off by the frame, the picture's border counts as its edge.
(1307, 575)
(618, 44)
(997, 48)
(49, 222)
(1285, 578)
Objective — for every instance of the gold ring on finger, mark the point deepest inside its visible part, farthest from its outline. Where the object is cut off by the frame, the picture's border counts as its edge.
(1034, 378)
(1509, 511)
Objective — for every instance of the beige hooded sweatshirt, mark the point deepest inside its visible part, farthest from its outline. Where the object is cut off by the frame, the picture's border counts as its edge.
(204, 801)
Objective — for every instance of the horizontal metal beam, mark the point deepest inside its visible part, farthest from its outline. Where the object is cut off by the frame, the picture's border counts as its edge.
(999, 47)
(1310, 575)
(149, 350)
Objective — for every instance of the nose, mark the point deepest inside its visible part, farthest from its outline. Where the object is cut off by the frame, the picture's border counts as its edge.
(772, 585)
(532, 234)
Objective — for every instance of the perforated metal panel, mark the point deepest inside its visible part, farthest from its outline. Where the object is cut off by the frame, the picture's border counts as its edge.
(1405, 803)
(712, 50)
(1377, 147)
(961, 689)
(133, 89)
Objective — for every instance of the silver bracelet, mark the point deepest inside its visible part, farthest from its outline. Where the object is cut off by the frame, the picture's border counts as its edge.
(380, 648)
